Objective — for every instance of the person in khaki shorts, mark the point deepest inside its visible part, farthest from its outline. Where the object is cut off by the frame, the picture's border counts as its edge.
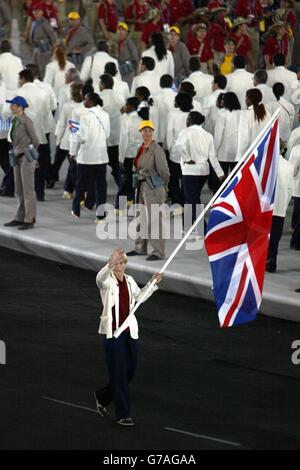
(22, 136)
(153, 175)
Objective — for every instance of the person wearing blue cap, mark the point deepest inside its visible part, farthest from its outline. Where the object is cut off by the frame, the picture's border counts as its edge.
(23, 141)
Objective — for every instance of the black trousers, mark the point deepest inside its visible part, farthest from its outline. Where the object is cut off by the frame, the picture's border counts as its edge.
(227, 167)
(126, 181)
(7, 185)
(295, 240)
(121, 357)
(91, 179)
(43, 170)
(192, 187)
(113, 157)
(70, 181)
(175, 183)
(275, 236)
(59, 158)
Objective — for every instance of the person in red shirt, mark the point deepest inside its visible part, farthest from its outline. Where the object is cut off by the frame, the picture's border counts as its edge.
(119, 293)
(152, 26)
(108, 21)
(199, 46)
(253, 12)
(218, 32)
(277, 43)
(241, 38)
(200, 15)
(136, 17)
(212, 4)
(181, 13)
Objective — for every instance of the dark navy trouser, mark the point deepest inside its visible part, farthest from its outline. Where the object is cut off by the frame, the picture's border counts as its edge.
(121, 357)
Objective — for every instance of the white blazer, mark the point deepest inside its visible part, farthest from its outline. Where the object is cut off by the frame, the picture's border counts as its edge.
(130, 136)
(284, 187)
(249, 129)
(164, 66)
(10, 66)
(226, 134)
(295, 162)
(202, 83)
(55, 76)
(109, 291)
(286, 117)
(94, 69)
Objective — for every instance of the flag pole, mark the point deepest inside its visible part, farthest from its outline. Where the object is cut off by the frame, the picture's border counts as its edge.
(235, 170)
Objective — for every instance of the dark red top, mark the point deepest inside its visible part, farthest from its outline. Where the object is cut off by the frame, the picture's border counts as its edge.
(135, 11)
(179, 9)
(250, 9)
(194, 48)
(123, 304)
(218, 34)
(148, 29)
(242, 44)
(273, 46)
(109, 14)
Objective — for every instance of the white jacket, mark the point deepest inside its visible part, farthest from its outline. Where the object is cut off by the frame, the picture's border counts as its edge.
(226, 135)
(282, 75)
(202, 83)
(176, 122)
(55, 76)
(96, 69)
(267, 93)
(78, 110)
(286, 117)
(62, 131)
(239, 82)
(293, 140)
(249, 129)
(130, 136)
(164, 66)
(109, 291)
(164, 102)
(149, 79)
(92, 136)
(210, 110)
(112, 104)
(51, 103)
(194, 143)
(284, 187)
(38, 108)
(10, 66)
(121, 88)
(295, 162)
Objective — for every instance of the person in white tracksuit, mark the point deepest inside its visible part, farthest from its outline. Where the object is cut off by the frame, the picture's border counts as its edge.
(92, 154)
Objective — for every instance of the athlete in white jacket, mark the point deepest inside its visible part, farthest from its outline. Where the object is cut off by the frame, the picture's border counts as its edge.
(92, 154)
(119, 292)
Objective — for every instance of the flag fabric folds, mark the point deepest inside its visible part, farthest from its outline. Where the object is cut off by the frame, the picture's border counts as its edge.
(238, 230)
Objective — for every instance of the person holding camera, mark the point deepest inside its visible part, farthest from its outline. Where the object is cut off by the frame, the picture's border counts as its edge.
(23, 156)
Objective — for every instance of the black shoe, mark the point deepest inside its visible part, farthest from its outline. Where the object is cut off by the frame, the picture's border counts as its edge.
(153, 258)
(40, 199)
(26, 226)
(135, 253)
(5, 194)
(100, 408)
(297, 290)
(125, 422)
(294, 247)
(271, 265)
(50, 184)
(13, 223)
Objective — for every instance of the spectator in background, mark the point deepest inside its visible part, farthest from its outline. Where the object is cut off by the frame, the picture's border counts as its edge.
(181, 55)
(127, 54)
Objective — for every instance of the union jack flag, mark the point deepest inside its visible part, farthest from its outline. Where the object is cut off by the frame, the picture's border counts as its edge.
(238, 231)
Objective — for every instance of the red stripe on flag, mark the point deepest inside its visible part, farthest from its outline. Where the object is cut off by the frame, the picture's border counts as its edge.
(237, 298)
(225, 205)
(269, 155)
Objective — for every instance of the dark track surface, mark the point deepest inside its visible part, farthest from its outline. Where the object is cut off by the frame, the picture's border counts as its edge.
(236, 385)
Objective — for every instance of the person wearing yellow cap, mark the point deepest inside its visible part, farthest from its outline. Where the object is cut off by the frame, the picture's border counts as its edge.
(153, 178)
(78, 41)
(127, 54)
(181, 55)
